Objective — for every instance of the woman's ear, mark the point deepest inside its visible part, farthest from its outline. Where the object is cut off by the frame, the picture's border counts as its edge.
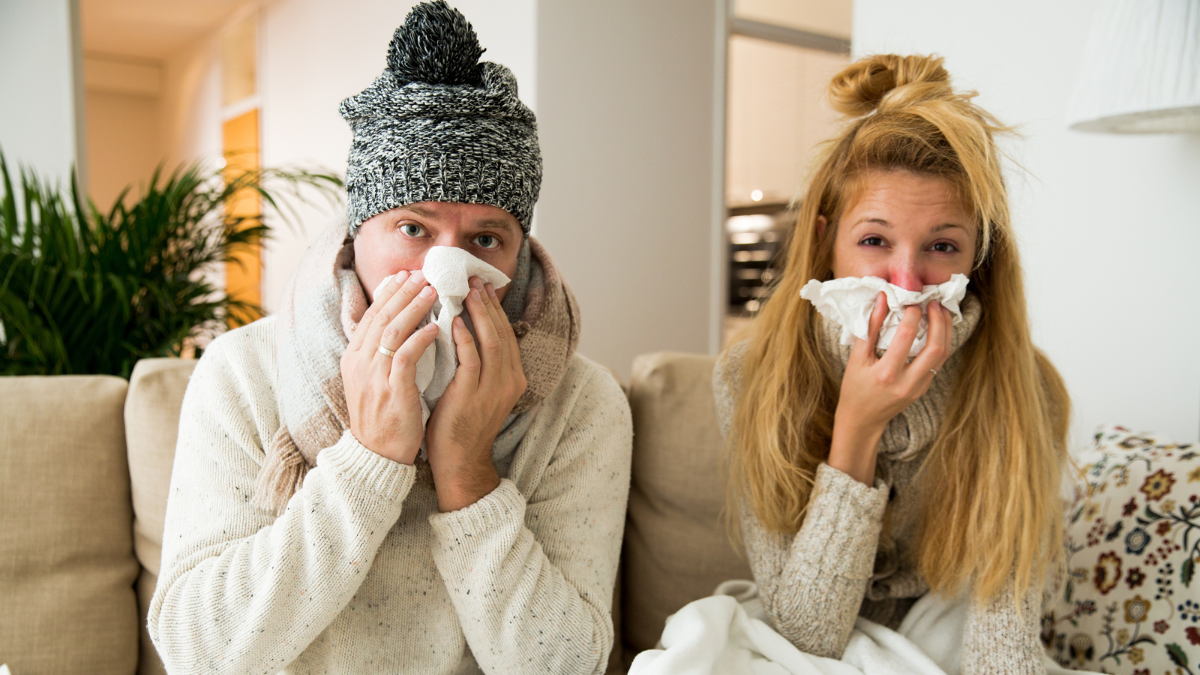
(821, 224)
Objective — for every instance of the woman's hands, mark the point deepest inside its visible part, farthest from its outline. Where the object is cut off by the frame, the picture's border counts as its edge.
(874, 390)
(469, 415)
(381, 391)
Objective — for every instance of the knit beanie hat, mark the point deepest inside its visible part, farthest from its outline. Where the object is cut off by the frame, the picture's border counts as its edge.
(438, 125)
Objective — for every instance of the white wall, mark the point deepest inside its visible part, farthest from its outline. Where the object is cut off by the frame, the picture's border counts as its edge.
(629, 115)
(190, 126)
(1109, 226)
(124, 114)
(41, 84)
(123, 142)
(777, 114)
(826, 17)
(314, 54)
(626, 123)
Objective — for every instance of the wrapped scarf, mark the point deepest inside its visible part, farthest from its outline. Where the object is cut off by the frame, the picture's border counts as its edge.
(321, 305)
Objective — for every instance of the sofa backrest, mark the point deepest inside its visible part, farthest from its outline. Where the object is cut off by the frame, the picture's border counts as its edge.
(67, 567)
(677, 547)
(151, 428)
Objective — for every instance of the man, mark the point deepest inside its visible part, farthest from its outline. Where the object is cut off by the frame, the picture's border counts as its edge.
(304, 533)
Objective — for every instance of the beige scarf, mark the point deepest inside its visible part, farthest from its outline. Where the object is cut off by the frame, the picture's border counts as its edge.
(323, 302)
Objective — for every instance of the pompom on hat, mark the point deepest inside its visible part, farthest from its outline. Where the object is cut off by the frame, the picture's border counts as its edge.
(438, 125)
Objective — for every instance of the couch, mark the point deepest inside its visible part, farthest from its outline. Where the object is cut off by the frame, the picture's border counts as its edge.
(84, 472)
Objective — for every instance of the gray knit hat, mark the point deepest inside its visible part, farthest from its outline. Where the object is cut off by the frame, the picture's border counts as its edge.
(438, 125)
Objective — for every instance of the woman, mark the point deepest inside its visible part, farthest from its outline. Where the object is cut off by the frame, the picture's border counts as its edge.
(304, 532)
(863, 481)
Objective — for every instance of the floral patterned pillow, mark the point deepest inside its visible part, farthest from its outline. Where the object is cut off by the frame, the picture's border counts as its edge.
(1130, 602)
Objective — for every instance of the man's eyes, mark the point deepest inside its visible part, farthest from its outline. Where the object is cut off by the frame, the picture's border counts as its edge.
(484, 240)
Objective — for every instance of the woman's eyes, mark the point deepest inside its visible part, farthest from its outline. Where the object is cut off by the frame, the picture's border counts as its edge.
(487, 241)
(938, 247)
(412, 230)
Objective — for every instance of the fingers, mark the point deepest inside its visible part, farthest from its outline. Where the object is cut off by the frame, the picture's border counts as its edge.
(877, 317)
(404, 362)
(468, 356)
(381, 299)
(390, 310)
(513, 358)
(937, 345)
(874, 327)
(905, 335)
(490, 347)
(502, 327)
(511, 352)
(401, 327)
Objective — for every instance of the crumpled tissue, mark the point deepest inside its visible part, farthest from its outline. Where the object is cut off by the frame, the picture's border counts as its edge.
(849, 301)
(447, 269)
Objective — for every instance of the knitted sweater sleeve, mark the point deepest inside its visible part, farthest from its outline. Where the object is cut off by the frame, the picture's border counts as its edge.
(531, 575)
(812, 584)
(1000, 640)
(241, 591)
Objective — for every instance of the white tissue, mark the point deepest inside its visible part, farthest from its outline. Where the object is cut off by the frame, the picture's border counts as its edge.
(849, 302)
(447, 269)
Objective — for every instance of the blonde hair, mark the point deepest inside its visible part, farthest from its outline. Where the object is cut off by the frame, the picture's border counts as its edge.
(997, 460)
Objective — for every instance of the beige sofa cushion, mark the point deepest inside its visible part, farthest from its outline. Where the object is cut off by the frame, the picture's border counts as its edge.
(677, 547)
(67, 567)
(151, 427)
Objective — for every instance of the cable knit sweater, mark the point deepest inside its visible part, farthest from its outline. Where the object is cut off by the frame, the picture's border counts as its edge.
(841, 564)
(361, 573)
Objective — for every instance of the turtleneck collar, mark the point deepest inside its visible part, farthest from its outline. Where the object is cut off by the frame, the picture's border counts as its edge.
(912, 431)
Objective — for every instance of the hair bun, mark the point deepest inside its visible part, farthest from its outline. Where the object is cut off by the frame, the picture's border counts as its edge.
(862, 86)
(436, 45)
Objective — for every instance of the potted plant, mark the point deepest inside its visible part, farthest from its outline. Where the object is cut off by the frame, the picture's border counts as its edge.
(88, 292)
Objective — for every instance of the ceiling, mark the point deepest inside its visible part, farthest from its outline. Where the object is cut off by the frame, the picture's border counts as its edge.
(150, 29)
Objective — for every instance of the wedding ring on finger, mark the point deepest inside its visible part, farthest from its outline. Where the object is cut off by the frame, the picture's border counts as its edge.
(385, 351)
(930, 370)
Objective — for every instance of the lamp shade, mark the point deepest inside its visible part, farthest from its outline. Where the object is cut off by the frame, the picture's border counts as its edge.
(1141, 69)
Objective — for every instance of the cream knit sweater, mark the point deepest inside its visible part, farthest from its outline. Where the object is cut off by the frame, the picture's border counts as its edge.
(815, 583)
(361, 573)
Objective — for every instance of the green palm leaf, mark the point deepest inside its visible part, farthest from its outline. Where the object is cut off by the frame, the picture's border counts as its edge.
(84, 291)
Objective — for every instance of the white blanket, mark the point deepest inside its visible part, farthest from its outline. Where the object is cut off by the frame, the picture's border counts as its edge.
(726, 633)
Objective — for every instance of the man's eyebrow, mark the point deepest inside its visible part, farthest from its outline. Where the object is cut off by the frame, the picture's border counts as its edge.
(494, 224)
(485, 224)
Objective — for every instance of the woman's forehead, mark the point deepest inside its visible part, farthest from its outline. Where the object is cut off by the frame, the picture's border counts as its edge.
(894, 196)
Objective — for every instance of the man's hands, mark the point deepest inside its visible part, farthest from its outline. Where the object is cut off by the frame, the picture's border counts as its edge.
(874, 390)
(471, 412)
(385, 406)
(381, 391)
